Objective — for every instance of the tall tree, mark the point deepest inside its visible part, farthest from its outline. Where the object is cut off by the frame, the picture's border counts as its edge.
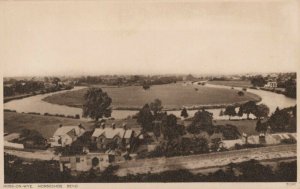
(184, 113)
(145, 118)
(97, 104)
(261, 127)
(248, 108)
(171, 129)
(202, 120)
(279, 120)
(221, 112)
(261, 111)
(156, 106)
(230, 111)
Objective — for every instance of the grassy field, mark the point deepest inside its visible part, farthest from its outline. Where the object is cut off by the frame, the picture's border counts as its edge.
(173, 96)
(47, 125)
(232, 83)
(244, 126)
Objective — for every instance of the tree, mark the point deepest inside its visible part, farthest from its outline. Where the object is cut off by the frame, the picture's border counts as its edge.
(230, 111)
(146, 85)
(145, 118)
(202, 120)
(279, 120)
(171, 129)
(248, 108)
(261, 127)
(221, 113)
(258, 81)
(156, 106)
(261, 111)
(184, 113)
(97, 104)
(291, 88)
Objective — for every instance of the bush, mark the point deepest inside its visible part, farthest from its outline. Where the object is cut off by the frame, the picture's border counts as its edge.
(241, 93)
(77, 116)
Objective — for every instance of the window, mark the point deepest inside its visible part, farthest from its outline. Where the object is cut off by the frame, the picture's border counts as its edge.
(77, 159)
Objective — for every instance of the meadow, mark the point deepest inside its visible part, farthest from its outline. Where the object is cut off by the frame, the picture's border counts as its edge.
(47, 125)
(232, 83)
(173, 96)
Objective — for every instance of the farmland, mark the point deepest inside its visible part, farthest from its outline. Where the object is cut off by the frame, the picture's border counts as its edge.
(173, 96)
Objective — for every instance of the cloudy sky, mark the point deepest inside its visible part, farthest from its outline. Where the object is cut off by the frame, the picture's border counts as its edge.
(149, 37)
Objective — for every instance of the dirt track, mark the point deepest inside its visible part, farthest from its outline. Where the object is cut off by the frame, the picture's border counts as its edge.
(206, 161)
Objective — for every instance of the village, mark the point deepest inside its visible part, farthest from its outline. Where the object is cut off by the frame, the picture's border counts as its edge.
(154, 133)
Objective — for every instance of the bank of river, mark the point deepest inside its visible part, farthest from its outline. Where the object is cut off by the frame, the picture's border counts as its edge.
(36, 104)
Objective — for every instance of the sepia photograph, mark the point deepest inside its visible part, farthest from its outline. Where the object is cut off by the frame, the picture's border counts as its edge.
(149, 91)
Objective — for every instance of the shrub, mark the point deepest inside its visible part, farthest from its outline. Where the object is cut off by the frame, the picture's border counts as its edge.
(77, 116)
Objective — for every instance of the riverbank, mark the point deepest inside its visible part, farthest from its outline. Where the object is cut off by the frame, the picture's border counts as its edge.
(17, 97)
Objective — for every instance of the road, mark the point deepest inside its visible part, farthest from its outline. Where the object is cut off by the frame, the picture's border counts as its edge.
(205, 161)
(34, 155)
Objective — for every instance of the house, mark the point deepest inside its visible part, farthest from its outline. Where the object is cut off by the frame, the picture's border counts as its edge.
(271, 84)
(66, 135)
(86, 162)
(112, 137)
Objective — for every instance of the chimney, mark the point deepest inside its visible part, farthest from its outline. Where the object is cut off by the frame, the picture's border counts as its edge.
(103, 125)
(124, 126)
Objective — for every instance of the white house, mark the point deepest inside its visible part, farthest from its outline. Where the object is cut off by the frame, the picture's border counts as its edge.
(271, 84)
(66, 135)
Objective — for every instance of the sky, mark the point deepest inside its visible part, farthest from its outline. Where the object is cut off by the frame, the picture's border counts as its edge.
(148, 37)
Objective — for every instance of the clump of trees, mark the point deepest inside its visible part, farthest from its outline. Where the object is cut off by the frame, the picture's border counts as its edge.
(247, 108)
(258, 81)
(202, 121)
(230, 111)
(283, 120)
(97, 104)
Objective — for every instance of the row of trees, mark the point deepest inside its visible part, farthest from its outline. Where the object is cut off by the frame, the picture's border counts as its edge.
(250, 107)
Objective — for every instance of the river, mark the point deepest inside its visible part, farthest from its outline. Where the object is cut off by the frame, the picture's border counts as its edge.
(36, 104)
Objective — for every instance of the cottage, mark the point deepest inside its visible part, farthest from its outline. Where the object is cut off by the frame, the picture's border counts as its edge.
(66, 135)
(113, 137)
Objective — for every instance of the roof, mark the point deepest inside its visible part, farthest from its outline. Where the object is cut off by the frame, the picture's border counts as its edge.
(11, 136)
(111, 133)
(66, 129)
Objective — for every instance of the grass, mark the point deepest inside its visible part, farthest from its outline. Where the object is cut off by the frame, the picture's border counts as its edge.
(232, 83)
(173, 96)
(47, 125)
(243, 126)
